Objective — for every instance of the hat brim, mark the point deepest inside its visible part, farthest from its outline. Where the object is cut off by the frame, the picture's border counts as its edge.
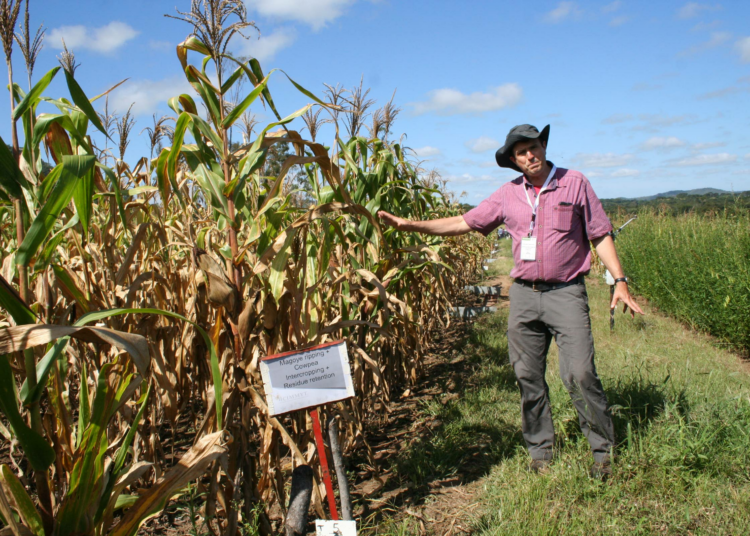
(502, 156)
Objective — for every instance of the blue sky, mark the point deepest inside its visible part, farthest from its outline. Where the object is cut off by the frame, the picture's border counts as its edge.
(643, 97)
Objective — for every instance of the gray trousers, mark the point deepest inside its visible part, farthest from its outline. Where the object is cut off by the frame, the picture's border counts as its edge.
(535, 317)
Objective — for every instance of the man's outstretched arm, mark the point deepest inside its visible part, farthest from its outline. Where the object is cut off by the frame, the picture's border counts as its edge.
(453, 226)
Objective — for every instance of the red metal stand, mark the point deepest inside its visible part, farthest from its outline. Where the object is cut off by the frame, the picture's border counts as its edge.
(324, 464)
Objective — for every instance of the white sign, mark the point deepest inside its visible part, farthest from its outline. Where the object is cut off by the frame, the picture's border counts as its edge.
(307, 378)
(335, 528)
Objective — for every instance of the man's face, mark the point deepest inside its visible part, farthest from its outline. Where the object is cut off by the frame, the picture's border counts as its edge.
(530, 156)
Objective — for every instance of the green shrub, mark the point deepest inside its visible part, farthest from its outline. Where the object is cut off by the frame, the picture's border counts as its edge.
(695, 267)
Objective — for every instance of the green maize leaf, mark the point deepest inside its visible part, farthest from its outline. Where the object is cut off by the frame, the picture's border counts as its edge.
(11, 178)
(35, 447)
(42, 370)
(179, 135)
(64, 279)
(49, 182)
(86, 479)
(258, 72)
(238, 110)
(201, 75)
(42, 126)
(227, 85)
(119, 461)
(161, 172)
(195, 44)
(251, 163)
(29, 101)
(208, 96)
(84, 409)
(115, 183)
(73, 169)
(212, 185)
(183, 103)
(80, 120)
(208, 132)
(11, 301)
(26, 508)
(126, 501)
(83, 198)
(44, 258)
(83, 103)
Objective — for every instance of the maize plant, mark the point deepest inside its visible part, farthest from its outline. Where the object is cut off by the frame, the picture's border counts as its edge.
(137, 302)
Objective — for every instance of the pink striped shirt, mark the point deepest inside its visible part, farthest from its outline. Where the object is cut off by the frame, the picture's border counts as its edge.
(569, 215)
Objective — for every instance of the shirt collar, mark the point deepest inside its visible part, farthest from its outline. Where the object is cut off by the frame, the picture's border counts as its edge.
(552, 184)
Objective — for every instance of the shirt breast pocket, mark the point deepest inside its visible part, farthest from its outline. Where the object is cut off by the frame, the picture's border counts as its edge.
(563, 218)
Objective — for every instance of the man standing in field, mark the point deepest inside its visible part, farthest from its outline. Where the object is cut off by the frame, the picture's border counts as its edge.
(551, 213)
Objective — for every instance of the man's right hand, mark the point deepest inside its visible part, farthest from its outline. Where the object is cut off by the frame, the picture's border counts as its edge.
(391, 220)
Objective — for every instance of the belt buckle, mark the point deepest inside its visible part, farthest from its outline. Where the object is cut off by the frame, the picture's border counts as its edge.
(533, 287)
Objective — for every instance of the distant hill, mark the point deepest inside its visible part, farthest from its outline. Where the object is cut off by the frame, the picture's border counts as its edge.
(697, 191)
(700, 200)
(675, 193)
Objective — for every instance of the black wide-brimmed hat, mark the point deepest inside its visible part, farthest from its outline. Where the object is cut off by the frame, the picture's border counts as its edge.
(516, 134)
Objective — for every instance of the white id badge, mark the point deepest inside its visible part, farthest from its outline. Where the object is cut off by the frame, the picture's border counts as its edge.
(528, 249)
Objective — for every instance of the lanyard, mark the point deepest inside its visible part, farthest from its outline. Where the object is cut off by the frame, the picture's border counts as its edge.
(535, 206)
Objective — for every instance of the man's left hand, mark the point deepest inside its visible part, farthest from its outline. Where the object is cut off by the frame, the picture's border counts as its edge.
(622, 293)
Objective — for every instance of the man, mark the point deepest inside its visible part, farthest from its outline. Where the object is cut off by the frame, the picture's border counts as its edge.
(551, 213)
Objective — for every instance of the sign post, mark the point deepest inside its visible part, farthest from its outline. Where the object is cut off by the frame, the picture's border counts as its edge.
(304, 380)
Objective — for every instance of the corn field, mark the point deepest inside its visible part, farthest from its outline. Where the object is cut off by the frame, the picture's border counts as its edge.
(137, 301)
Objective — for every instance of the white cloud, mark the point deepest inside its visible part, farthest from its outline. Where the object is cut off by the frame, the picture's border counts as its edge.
(266, 47)
(658, 142)
(427, 151)
(147, 95)
(707, 159)
(624, 172)
(707, 145)
(482, 144)
(717, 39)
(104, 39)
(603, 160)
(743, 47)
(614, 6)
(563, 11)
(316, 13)
(693, 9)
(452, 101)
(747, 156)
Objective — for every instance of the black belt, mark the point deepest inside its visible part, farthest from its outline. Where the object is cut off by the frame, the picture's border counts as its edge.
(541, 286)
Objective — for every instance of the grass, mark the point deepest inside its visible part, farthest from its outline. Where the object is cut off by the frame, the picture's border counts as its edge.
(682, 413)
